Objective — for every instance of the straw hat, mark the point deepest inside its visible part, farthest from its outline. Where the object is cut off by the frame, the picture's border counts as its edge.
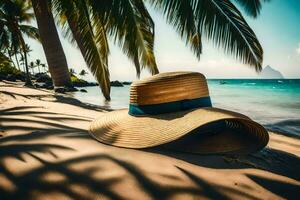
(174, 110)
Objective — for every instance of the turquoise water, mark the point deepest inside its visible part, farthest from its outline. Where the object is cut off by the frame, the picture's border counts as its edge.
(273, 103)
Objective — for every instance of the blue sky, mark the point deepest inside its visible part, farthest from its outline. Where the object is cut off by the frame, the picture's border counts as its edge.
(277, 28)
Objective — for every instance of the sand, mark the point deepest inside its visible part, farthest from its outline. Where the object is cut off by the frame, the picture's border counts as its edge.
(47, 153)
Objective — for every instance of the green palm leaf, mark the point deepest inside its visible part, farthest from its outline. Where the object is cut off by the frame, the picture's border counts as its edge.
(180, 14)
(145, 35)
(4, 35)
(224, 24)
(30, 31)
(100, 35)
(130, 25)
(252, 7)
(4, 60)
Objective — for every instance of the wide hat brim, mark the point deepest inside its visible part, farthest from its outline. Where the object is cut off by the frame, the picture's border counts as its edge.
(181, 131)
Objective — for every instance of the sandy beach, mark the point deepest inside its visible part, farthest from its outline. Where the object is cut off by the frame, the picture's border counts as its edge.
(47, 153)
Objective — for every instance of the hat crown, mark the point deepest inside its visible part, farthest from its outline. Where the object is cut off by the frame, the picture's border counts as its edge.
(168, 87)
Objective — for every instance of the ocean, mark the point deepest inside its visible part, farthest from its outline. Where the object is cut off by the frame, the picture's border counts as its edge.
(273, 103)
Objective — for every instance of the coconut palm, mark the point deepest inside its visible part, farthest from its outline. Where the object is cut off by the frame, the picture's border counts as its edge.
(13, 15)
(83, 73)
(89, 23)
(22, 59)
(72, 71)
(32, 66)
(44, 66)
(38, 64)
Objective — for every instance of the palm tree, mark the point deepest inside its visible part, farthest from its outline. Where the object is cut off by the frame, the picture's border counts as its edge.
(22, 59)
(38, 64)
(72, 71)
(44, 67)
(53, 49)
(22, 62)
(83, 73)
(32, 66)
(89, 23)
(13, 14)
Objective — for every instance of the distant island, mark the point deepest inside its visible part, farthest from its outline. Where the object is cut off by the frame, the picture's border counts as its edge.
(270, 73)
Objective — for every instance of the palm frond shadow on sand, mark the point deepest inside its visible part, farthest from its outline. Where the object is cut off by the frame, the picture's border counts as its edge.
(268, 159)
(24, 184)
(51, 124)
(58, 98)
(33, 181)
(79, 179)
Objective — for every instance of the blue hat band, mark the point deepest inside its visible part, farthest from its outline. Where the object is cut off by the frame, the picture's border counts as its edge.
(175, 106)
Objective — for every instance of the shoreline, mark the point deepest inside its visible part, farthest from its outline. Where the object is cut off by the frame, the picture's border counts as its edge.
(46, 152)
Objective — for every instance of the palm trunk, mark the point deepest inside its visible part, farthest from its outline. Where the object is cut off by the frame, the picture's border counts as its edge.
(54, 52)
(28, 80)
(16, 57)
(23, 64)
(10, 58)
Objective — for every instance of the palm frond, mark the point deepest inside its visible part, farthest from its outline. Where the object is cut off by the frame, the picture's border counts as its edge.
(145, 31)
(99, 33)
(223, 23)
(30, 31)
(181, 15)
(218, 20)
(129, 23)
(252, 7)
(12, 13)
(4, 59)
(4, 35)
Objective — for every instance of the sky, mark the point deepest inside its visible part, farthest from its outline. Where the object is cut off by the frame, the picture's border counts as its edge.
(277, 29)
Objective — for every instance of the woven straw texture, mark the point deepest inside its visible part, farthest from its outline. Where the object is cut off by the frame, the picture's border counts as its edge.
(168, 87)
(118, 128)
